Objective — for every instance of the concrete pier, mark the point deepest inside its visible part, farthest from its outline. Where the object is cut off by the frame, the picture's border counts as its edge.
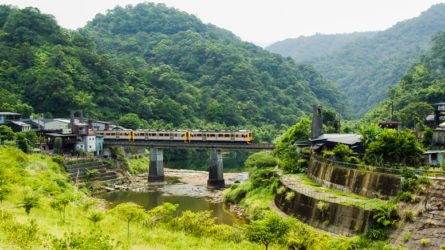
(216, 178)
(156, 171)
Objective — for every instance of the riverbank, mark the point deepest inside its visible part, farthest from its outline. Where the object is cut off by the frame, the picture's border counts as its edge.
(182, 182)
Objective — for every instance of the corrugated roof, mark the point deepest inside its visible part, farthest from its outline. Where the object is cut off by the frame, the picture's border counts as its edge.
(348, 139)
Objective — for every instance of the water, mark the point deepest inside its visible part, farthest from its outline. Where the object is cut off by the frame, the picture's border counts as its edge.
(189, 197)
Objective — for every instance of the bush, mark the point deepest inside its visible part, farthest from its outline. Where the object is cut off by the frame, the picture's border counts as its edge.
(405, 196)
(409, 216)
(76, 240)
(377, 234)
(263, 177)
(237, 192)
(269, 230)
(59, 160)
(406, 237)
(261, 160)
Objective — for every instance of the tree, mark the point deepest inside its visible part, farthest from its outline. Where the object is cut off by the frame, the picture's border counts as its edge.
(260, 160)
(30, 200)
(22, 142)
(130, 121)
(58, 146)
(413, 113)
(129, 213)
(395, 147)
(96, 216)
(6, 133)
(61, 202)
(369, 133)
(4, 191)
(427, 138)
(271, 229)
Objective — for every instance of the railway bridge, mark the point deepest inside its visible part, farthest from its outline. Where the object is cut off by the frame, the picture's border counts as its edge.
(156, 170)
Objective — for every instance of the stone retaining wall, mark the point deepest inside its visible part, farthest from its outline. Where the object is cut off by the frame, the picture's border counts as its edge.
(332, 217)
(364, 183)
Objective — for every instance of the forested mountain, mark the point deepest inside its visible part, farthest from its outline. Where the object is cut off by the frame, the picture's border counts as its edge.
(367, 67)
(166, 66)
(423, 84)
(305, 48)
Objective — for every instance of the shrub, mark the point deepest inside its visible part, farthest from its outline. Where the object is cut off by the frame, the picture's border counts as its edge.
(263, 177)
(424, 241)
(22, 235)
(271, 229)
(406, 237)
(409, 216)
(237, 192)
(76, 240)
(289, 196)
(59, 160)
(377, 234)
(405, 196)
(261, 160)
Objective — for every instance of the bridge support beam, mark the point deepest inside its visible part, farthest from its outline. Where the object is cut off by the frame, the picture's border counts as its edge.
(156, 171)
(216, 178)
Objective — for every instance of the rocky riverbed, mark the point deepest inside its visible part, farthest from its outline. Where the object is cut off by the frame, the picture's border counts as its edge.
(181, 182)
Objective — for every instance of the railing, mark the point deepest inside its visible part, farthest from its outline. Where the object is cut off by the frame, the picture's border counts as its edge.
(385, 170)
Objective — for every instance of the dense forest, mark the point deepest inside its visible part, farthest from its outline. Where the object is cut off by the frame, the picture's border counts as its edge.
(421, 86)
(367, 67)
(164, 65)
(305, 48)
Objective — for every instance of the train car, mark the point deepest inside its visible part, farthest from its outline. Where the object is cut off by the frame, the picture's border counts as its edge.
(161, 135)
(115, 134)
(244, 136)
(240, 136)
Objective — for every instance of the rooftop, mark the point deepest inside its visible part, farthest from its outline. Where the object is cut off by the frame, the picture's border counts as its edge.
(348, 139)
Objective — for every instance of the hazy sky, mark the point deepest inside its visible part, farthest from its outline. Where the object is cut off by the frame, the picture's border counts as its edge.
(257, 21)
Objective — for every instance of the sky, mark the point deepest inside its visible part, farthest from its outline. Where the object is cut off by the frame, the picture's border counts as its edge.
(258, 21)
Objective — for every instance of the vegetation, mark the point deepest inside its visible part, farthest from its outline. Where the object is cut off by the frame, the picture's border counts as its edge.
(394, 147)
(423, 84)
(367, 68)
(309, 48)
(291, 161)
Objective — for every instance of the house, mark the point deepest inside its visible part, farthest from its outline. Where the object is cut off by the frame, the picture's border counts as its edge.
(320, 141)
(8, 116)
(98, 125)
(438, 137)
(18, 126)
(36, 124)
(87, 143)
(68, 141)
(55, 124)
(435, 157)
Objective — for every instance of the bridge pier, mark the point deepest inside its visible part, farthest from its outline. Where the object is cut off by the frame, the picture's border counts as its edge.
(156, 170)
(216, 178)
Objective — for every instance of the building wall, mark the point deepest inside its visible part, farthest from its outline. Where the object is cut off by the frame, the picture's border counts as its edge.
(90, 143)
(438, 137)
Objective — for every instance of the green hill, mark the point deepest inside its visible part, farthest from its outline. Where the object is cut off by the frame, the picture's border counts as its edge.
(166, 66)
(366, 68)
(306, 48)
(423, 83)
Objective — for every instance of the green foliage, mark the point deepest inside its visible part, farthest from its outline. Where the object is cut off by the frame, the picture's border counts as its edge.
(414, 113)
(30, 200)
(237, 192)
(269, 230)
(365, 69)
(406, 237)
(58, 146)
(423, 83)
(287, 151)
(387, 215)
(95, 239)
(130, 121)
(263, 177)
(6, 133)
(129, 213)
(96, 216)
(369, 133)
(60, 203)
(163, 213)
(22, 235)
(4, 191)
(427, 138)
(90, 173)
(394, 147)
(342, 152)
(260, 160)
(59, 160)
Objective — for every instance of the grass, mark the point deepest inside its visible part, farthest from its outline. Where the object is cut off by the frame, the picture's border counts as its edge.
(303, 178)
(43, 228)
(138, 165)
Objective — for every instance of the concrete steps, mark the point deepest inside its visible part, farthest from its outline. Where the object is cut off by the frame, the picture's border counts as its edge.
(91, 172)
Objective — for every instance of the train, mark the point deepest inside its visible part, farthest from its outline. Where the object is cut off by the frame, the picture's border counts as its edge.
(187, 136)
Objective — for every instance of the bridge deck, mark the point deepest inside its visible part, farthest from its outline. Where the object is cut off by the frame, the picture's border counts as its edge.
(178, 144)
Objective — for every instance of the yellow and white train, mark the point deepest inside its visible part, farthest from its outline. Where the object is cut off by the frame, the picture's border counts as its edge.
(240, 136)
